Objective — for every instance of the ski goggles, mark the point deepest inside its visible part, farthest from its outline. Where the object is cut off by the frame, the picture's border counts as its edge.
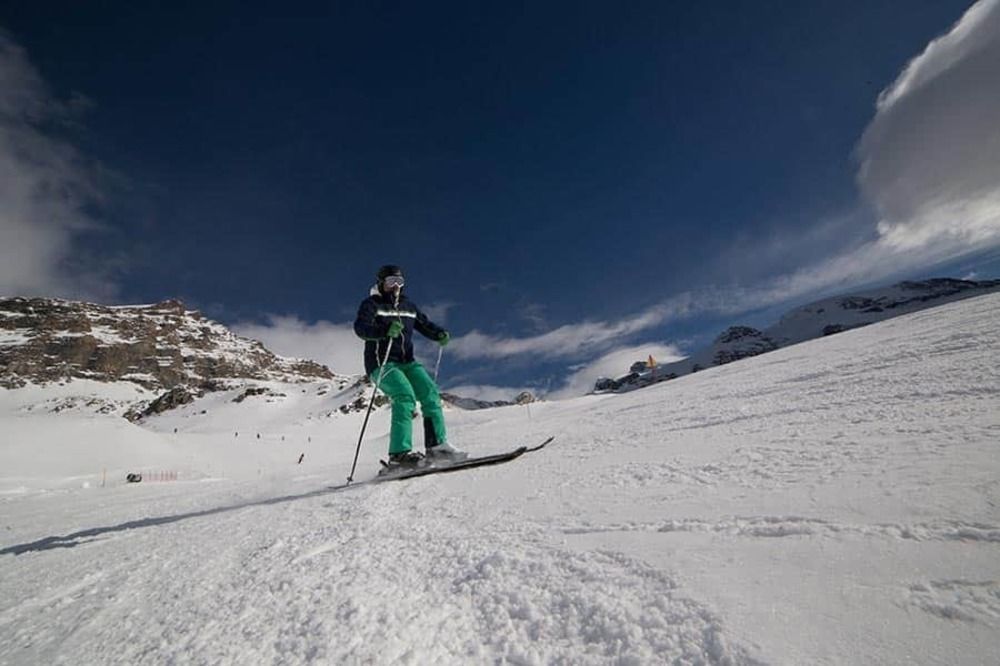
(393, 281)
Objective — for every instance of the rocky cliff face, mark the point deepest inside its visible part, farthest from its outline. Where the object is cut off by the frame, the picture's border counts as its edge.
(159, 347)
(739, 342)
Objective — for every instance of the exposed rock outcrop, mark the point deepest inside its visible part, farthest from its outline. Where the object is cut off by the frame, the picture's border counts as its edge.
(158, 346)
(175, 397)
(523, 398)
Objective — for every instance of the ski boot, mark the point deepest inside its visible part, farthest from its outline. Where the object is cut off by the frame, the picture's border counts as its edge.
(400, 462)
(445, 453)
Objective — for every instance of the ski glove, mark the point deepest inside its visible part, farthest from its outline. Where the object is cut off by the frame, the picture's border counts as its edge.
(395, 328)
(443, 338)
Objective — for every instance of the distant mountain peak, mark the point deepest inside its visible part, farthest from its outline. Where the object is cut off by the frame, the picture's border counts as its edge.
(157, 346)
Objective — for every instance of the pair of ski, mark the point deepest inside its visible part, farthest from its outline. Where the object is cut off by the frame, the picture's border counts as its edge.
(398, 474)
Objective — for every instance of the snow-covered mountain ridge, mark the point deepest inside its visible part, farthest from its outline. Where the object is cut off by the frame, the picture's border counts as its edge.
(821, 318)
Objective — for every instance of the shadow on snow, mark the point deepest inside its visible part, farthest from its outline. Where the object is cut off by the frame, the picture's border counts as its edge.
(84, 536)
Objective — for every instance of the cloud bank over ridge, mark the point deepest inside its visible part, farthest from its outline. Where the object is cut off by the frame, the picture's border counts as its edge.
(46, 189)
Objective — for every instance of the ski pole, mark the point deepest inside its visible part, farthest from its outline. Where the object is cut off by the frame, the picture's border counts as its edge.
(371, 403)
(437, 366)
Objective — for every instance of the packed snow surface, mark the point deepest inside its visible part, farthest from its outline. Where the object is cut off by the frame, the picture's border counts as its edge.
(827, 503)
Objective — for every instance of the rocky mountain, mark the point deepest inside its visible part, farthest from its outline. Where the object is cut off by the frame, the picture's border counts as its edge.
(818, 319)
(158, 347)
(739, 342)
(523, 398)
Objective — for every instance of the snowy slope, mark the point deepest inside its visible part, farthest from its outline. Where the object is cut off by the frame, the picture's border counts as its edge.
(71, 435)
(831, 502)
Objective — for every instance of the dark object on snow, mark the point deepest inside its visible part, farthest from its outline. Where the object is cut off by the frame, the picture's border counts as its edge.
(301, 458)
(606, 384)
(132, 477)
(172, 399)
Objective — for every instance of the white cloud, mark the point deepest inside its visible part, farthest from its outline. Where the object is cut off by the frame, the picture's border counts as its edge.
(583, 339)
(570, 340)
(45, 189)
(929, 166)
(437, 312)
(930, 159)
(613, 364)
(534, 314)
(334, 345)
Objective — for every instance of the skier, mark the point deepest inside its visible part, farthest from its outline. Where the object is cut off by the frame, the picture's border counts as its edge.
(386, 320)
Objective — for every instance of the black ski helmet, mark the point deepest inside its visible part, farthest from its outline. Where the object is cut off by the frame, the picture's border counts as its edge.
(387, 270)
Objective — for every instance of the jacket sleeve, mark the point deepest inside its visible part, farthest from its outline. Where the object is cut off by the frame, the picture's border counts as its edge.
(425, 326)
(367, 326)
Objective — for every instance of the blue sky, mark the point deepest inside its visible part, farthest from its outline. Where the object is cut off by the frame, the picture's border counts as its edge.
(561, 182)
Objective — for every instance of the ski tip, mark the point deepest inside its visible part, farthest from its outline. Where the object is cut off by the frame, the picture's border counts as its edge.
(539, 446)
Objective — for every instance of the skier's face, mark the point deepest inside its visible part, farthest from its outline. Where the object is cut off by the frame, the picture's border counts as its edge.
(392, 284)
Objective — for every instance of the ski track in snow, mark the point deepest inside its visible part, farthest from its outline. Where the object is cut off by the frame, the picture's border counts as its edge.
(790, 526)
(967, 601)
(832, 502)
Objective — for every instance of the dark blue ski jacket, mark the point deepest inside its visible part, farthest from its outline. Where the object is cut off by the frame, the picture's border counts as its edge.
(372, 325)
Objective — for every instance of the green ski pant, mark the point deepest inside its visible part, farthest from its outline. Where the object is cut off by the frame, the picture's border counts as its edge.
(406, 384)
